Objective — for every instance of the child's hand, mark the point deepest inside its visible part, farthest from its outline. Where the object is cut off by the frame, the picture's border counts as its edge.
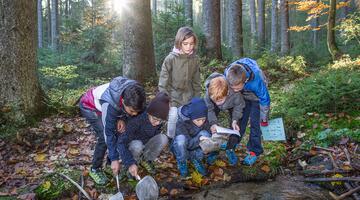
(120, 126)
(235, 126)
(213, 128)
(133, 170)
(115, 166)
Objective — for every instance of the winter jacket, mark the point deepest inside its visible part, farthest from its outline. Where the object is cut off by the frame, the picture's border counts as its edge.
(106, 99)
(180, 78)
(137, 128)
(234, 101)
(256, 84)
(185, 126)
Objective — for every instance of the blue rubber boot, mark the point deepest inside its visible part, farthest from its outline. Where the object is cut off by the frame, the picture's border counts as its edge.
(183, 168)
(211, 158)
(232, 158)
(199, 167)
(250, 159)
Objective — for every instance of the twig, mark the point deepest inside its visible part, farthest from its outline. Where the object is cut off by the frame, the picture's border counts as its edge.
(317, 173)
(325, 149)
(347, 155)
(355, 195)
(334, 196)
(81, 184)
(332, 160)
(77, 185)
(355, 149)
(356, 179)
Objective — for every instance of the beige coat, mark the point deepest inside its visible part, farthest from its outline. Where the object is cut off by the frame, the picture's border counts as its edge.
(180, 78)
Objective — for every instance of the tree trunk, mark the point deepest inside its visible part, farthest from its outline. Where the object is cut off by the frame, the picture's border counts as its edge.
(211, 26)
(138, 49)
(48, 24)
(188, 6)
(274, 25)
(252, 24)
(261, 23)
(236, 37)
(314, 24)
(54, 33)
(284, 26)
(223, 20)
(20, 87)
(154, 6)
(331, 43)
(39, 20)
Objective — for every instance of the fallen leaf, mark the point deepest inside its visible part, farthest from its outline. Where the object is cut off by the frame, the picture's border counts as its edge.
(313, 152)
(93, 193)
(196, 177)
(4, 194)
(40, 157)
(218, 171)
(220, 163)
(75, 197)
(174, 192)
(46, 185)
(336, 182)
(163, 191)
(227, 177)
(265, 168)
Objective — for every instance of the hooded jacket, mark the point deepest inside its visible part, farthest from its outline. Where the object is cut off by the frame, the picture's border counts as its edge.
(234, 101)
(180, 78)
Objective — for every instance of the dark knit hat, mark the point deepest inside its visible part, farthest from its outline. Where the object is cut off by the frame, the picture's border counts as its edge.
(197, 108)
(159, 106)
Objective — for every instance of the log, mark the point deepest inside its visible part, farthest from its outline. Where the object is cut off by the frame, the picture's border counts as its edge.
(308, 173)
(356, 179)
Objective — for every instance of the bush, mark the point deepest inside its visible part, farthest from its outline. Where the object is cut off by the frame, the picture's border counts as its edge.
(335, 89)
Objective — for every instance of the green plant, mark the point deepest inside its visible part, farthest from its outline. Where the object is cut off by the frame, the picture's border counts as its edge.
(350, 28)
(275, 152)
(330, 137)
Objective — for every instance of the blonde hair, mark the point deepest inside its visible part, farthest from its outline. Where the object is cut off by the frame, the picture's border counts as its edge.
(236, 74)
(182, 34)
(218, 88)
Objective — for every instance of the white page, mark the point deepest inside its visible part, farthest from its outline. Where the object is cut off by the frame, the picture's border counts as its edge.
(222, 130)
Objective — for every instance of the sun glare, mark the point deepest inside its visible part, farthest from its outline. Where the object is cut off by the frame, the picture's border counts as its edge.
(118, 5)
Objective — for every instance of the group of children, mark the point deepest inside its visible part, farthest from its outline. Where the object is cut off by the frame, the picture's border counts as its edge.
(132, 131)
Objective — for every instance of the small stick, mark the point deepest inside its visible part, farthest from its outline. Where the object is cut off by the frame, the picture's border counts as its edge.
(332, 160)
(325, 149)
(350, 192)
(327, 172)
(356, 179)
(77, 185)
(355, 149)
(347, 155)
(355, 195)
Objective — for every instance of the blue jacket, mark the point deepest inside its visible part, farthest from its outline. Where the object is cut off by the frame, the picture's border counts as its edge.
(137, 128)
(255, 84)
(112, 110)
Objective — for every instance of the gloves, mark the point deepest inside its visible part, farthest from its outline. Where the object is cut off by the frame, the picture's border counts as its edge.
(264, 123)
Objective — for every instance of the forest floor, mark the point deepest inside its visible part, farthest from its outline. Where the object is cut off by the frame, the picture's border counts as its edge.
(30, 165)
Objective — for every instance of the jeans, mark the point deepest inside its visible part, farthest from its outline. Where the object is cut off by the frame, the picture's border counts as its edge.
(151, 150)
(96, 123)
(252, 110)
(185, 147)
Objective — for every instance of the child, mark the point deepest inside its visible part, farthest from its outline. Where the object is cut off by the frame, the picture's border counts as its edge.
(219, 97)
(102, 106)
(191, 125)
(180, 73)
(245, 75)
(142, 141)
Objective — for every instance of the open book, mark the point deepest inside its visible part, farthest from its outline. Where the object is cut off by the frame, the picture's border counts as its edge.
(226, 131)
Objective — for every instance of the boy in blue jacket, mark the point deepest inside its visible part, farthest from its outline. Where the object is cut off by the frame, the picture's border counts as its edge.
(142, 141)
(191, 125)
(245, 76)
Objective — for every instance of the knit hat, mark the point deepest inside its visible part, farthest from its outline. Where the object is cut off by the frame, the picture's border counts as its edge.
(197, 108)
(159, 106)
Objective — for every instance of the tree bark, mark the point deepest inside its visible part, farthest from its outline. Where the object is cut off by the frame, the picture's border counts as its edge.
(211, 28)
(138, 49)
(274, 26)
(188, 7)
(39, 20)
(252, 24)
(236, 35)
(261, 23)
(331, 43)
(314, 24)
(154, 6)
(20, 87)
(54, 27)
(223, 20)
(284, 26)
(48, 23)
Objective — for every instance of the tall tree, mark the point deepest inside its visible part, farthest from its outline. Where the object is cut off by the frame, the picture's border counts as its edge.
(154, 6)
(39, 20)
(252, 13)
(19, 82)
(261, 22)
(211, 28)
(315, 30)
(138, 49)
(48, 22)
(236, 32)
(284, 26)
(223, 20)
(54, 26)
(188, 6)
(331, 43)
(274, 25)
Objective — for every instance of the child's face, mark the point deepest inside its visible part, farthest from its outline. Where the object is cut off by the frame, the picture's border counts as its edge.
(187, 46)
(199, 121)
(220, 102)
(131, 111)
(154, 120)
(238, 87)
